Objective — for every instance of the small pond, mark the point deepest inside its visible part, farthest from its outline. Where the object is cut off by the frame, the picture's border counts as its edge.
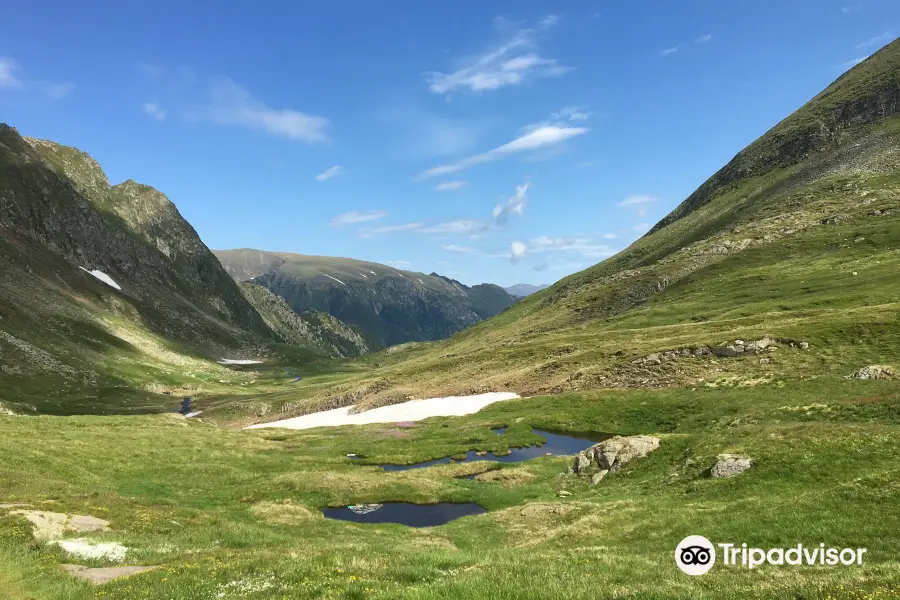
(557, 443)
(404, 513)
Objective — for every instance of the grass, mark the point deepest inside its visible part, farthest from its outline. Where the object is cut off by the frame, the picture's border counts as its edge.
(223, 511)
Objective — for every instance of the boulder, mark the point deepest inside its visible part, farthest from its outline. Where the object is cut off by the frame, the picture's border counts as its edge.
(728, 351)
(598, 476)
(759, 345)
(729, 465)
(874, 372)
(563, 494)
(616, 451)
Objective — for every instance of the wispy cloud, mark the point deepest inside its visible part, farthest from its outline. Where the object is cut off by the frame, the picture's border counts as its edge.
(571, 113)
(153, 110)
(331, 172)
(638, 203)
(384, 229)
(671, 50)
(540, 137)
(230, 104)
(513, 206)
(510, 62)
(10, 80)
(852, 63)
(585, 246)
(475, 251)
(850, 9)
(354, 217)
(703, 39)
(450, 186)
(878, 40)
(462, 226)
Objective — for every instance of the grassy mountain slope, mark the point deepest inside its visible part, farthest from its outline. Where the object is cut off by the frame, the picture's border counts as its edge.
(390, 306)
(796, 239)
(314, 330)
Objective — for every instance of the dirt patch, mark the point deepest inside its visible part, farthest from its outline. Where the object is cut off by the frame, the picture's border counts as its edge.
(508, 477)
(52, 525)
(103, 575)
(6, 506)
(283, 513)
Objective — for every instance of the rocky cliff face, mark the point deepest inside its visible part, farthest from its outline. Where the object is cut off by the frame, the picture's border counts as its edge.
(867, 94)
(387, 305)
(59, 198)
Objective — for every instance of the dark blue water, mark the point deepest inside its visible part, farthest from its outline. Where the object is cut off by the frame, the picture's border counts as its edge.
(500, 430)
(407, 513)
(557, 443)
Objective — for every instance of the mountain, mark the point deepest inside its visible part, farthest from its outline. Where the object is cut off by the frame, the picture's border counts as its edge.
(794, 245)
(107, 295)
(524, 289)
(316, 331)
(390, 306)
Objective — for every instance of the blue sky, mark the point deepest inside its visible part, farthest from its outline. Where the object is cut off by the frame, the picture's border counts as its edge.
(489, 141)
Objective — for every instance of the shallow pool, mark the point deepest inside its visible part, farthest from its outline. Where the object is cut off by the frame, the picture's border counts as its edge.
(405, 513)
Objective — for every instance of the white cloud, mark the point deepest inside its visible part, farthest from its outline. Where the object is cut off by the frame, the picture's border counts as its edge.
(513, 206)
(539, 137)
(852, 63)
(371, 231)
(517, 250)
(579, 245)
(510, 62)
(703, 39)
(461, 226)
(450, 186)
(233, 105)
(353, 217)
(879, 40)
(7, 78)
(609, 236)
(331, 172)
(850, 9)
(637, 200)
(154, 110)
(10, 81)
(671, 50)
(572, 113)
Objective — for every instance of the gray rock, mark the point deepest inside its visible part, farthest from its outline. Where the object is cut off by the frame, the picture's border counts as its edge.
(765, 361)
(364, 509)
(874, 372)
(804, 345)
(582, 462)
(598, 477)
(701, 351)
(759, 345)
(618, 450)
(728, 351)
(563, 494)
(729, 465)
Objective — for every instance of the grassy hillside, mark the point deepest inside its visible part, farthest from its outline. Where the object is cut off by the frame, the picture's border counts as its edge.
(798, 242)
(390, 306)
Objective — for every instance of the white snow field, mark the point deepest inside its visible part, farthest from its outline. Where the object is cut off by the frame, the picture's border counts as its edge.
(103, 277)
(414, 410)
(240, 361)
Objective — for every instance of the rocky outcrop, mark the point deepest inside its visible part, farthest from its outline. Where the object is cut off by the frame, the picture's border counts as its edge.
(729, 465)
(874, 372)
(611, 454)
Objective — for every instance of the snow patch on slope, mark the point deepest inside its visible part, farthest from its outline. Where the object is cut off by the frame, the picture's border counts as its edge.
(335, 278)
(238, 361)
(103, 277)
(414, 410)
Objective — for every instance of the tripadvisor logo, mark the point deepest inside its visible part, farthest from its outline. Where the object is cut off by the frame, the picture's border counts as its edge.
(696, 555)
